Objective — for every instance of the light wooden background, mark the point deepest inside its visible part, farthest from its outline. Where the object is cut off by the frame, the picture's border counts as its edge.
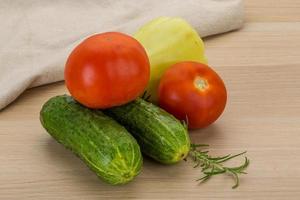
(260, 65)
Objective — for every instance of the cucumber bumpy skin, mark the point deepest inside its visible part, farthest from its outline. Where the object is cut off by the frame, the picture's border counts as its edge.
(103, 144)
(159, 134)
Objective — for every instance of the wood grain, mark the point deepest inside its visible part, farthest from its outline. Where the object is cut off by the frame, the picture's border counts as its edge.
(260, 65)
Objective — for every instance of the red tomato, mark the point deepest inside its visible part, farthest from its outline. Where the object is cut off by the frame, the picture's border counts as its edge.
(106, 70)
(192, 92)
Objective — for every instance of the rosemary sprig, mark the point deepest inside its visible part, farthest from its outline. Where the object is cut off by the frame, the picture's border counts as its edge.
(212, 166)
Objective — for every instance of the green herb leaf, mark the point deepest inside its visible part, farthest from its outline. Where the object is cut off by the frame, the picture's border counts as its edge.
(211, 166)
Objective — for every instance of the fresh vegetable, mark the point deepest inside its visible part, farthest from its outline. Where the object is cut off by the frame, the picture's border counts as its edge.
(168, 40)
(193, 92)
(106, 70)
(104, 145)
(164, 138)
(109, 71)
(160, 135)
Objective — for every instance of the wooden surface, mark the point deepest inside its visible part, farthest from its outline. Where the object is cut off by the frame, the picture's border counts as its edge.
(260, 65)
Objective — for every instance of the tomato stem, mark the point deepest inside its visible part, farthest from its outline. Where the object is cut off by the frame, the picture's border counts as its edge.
(201, 83)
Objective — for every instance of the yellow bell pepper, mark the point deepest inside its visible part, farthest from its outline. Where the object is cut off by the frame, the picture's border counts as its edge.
(167, 41)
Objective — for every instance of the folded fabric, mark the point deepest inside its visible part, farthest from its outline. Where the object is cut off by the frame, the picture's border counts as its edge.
(37, 36)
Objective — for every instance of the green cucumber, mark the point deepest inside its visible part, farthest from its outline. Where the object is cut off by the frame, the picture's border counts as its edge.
(103, 144)
(159, 134)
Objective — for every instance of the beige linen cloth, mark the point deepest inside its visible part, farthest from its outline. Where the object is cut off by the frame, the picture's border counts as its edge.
(36, 36)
